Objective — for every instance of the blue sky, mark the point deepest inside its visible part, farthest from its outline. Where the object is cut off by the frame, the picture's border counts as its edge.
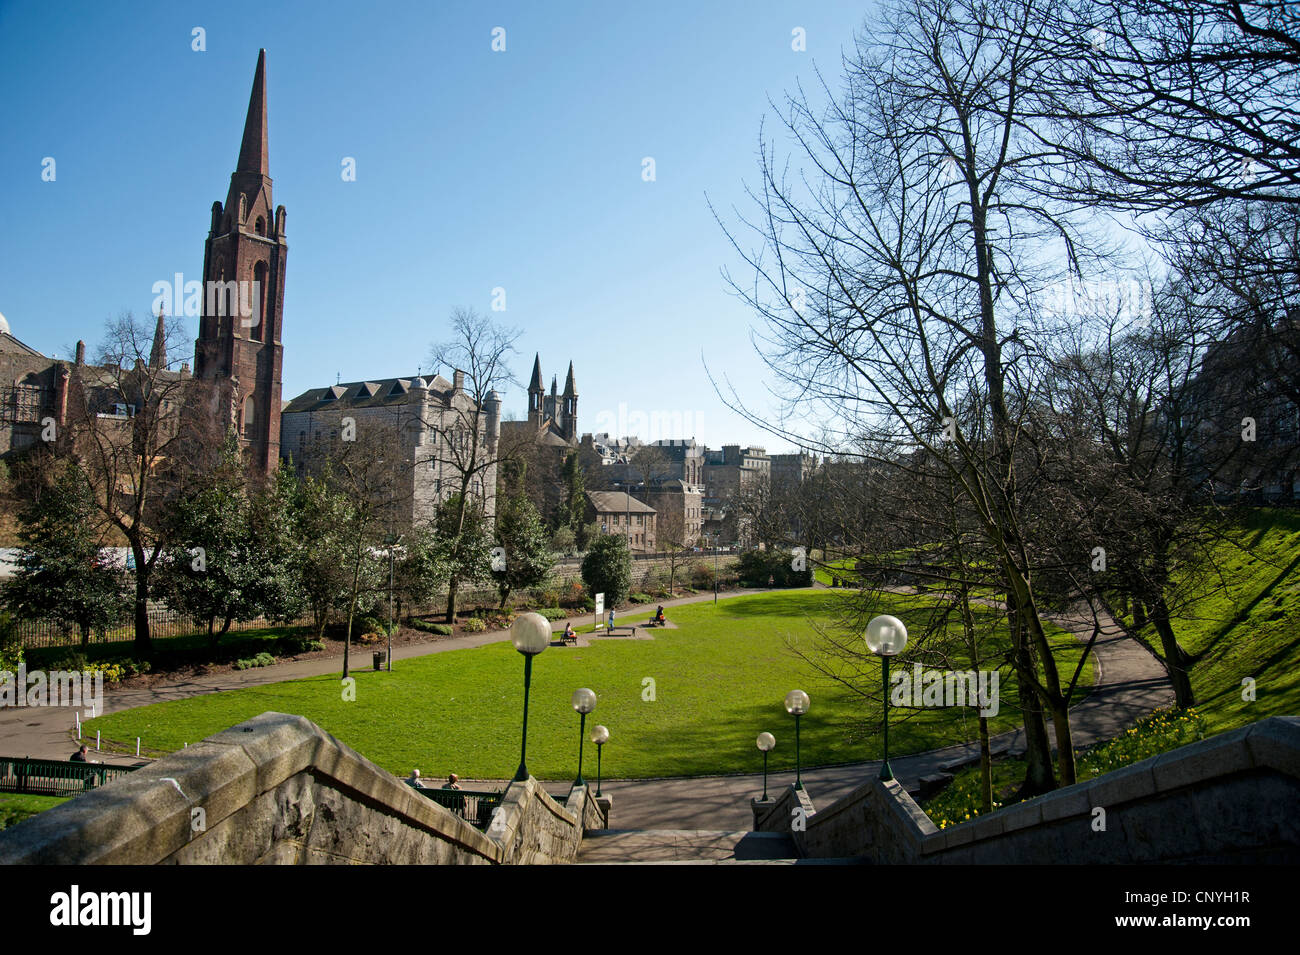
(475, 170)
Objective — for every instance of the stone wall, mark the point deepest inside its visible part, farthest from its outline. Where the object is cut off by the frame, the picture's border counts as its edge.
(534, 829)
(1228, 799)
(278, 789)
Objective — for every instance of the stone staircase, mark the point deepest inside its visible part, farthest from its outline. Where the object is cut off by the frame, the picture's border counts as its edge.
(688, 847)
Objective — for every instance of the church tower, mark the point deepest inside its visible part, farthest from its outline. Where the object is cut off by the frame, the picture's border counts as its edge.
(535, 393)
(570, 410)
(239, 347)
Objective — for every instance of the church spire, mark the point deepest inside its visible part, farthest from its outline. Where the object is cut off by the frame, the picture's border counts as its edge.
(158, 353)
(253, 153)
(569, 387)
(536, 383)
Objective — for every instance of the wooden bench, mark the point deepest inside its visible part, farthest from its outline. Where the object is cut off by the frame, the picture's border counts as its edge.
(569, 639)
(629, 627)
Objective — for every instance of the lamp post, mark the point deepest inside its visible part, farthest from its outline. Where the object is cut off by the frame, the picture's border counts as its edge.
(886, 637)
(715, 571)
(765, 743)
(796, 704)
(599, 736)
(531, 634)
(584, 701)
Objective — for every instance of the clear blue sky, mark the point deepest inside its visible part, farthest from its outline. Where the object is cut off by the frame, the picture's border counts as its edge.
(475, 169)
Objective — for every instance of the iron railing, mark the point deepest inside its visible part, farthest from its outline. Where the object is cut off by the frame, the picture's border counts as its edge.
(55, 777)
(476, 808)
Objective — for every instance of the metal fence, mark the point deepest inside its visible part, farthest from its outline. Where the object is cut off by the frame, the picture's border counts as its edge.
(476, 808)
(53, 777)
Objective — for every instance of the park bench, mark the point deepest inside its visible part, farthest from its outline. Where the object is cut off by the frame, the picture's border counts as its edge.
(652, 622)
(569, 640)
(629, 627)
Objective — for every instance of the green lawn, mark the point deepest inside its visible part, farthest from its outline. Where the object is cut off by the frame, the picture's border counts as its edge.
(718, 681)
(14, 808)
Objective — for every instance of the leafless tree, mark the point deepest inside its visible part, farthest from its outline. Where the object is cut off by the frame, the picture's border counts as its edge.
(479, 350)
(143, 433)
(899, 278)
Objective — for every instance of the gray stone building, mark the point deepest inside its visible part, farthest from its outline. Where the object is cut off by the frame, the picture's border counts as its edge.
(679, 511)
(441, 433)
(619, 513)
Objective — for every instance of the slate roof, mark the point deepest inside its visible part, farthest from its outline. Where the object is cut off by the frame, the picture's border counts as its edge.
(377, 393)
(617, 502)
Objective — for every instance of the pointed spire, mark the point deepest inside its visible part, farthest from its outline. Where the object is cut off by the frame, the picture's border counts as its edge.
(536, 383)
(569, 387)
(253, 154)
(158, 353)
(553, 385)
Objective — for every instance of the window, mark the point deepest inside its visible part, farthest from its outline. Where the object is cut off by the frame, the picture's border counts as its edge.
(249, 428)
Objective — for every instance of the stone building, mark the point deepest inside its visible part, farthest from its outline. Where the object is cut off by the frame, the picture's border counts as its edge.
(442, 434)
(33, 389)
(679, 510)
(619, 513)
(791, 470)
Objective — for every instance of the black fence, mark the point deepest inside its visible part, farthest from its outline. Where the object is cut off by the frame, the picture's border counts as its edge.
(54, 777)
(476, 808)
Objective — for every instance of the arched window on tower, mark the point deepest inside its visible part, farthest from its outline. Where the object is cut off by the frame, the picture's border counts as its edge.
(260, 227)
(258, 332)
(248, 427)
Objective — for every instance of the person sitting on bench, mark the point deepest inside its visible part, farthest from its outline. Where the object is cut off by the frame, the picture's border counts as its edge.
(659, 616)
(570, 635)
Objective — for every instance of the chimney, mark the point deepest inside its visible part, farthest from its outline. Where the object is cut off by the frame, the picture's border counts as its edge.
(81, 353)
(458, 381)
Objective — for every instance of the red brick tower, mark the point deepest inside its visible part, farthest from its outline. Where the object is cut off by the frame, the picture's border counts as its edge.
(239, 345)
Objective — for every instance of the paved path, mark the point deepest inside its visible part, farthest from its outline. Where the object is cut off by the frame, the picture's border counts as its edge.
(1130, 684)
(43, 732)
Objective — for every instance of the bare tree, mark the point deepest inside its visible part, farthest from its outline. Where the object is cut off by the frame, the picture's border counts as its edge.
(899, 278)
(143, 432)
(479, 353)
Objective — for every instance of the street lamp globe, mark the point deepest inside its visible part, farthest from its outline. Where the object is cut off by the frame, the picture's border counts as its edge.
(766, 742)
(530, 633)
(886, 636)
(599, 735)
(584, 700)
(796, 702)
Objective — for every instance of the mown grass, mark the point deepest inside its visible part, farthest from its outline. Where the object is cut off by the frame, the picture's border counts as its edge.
(1250, 630)
(15, 807)
(688, 702)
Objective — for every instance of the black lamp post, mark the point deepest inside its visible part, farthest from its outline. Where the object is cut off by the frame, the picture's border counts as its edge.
(796, 704)
(599, 736)
(886, 637)
(766, 741)
(584, 701)
(531, 634)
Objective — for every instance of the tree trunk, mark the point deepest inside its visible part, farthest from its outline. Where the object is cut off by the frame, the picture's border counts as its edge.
(212, 637)
(143, 643)
(986, 767)
(453, 584)
(85, 635)
(1176, 660)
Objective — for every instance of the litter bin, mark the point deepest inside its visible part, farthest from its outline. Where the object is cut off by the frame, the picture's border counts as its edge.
(379, 659)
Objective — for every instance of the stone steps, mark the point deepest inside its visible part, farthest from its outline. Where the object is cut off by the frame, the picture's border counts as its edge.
(701, 846)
